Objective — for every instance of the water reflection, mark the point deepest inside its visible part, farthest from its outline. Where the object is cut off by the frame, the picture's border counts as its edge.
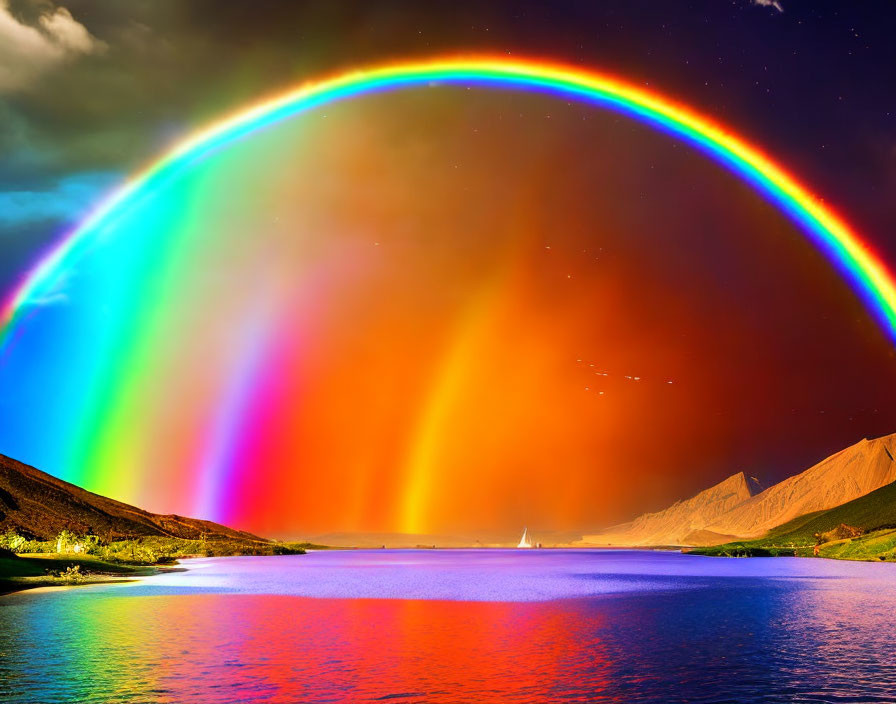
(823, 633)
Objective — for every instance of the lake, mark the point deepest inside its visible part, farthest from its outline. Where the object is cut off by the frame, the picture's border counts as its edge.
(462, 626)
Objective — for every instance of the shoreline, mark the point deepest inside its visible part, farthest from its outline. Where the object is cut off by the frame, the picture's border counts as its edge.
(26, 572)
(17, 584)
(122, 561)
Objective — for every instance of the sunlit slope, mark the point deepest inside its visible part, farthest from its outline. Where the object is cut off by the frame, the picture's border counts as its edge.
(861, 529)
(868, 513)
(842, 477)
(684, 522)
(801, 505)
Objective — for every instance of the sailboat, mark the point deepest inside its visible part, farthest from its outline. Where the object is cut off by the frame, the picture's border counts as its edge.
(525, 542)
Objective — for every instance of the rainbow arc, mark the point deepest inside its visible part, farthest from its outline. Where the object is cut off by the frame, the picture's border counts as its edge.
(101, 438)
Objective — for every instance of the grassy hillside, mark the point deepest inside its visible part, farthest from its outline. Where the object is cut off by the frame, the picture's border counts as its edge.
(877, 545)
(59, 570)
(861, 529)
(867, 513)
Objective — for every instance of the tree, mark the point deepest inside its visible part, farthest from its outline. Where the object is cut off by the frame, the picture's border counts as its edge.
(66, 542)
(12, 541)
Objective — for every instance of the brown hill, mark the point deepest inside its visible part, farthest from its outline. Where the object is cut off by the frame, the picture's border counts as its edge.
(39, 506)
(685, 522)
(842, 477)
(733, 509)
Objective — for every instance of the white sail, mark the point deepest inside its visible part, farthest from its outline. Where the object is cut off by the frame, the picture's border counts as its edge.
(524, 541)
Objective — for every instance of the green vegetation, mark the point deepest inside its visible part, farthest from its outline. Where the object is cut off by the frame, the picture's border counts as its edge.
(861, 529)
(14, 543)
(148, 550)
(58, 570)
(154, 550)
(871, 512)
(877, 545)
(74, 559)
(752, 548)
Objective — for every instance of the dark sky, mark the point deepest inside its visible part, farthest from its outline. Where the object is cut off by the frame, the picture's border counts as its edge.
(811, 82)
(90, 92)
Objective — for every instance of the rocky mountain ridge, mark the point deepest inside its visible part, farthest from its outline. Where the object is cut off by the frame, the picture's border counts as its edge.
(735, 508)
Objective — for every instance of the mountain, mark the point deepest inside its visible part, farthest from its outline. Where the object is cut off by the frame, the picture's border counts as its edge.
(861, 529)
(735, 509)
(684, 522)
(39, 506)
(842, 477)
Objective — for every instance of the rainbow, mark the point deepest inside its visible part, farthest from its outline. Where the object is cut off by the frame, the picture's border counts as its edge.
(211, 465)
(854, 258)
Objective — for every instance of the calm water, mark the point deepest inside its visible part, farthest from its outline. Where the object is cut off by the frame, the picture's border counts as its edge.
(462, 626)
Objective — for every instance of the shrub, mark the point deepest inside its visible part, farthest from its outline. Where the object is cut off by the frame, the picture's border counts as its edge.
(92, 544)
(65, 542)
(34, 546)
(72, 575)
(12, 541)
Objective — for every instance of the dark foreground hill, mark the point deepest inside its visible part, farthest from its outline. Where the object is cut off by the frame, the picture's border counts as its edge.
(38, 506)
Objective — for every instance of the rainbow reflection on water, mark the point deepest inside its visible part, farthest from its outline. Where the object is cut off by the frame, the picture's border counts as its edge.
(715, 630)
